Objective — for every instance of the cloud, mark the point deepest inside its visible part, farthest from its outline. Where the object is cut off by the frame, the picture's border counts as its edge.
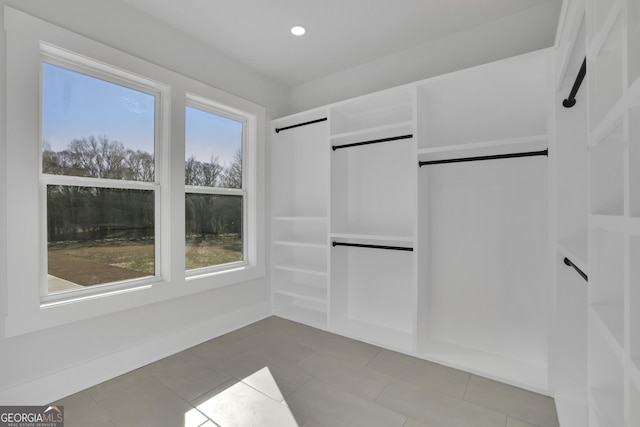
(132, 105)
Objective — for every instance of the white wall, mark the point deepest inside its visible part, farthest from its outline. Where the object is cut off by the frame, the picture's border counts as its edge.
(39, 367)
(514, 35)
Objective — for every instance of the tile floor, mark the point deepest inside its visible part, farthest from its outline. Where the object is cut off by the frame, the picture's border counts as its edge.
(278, 373)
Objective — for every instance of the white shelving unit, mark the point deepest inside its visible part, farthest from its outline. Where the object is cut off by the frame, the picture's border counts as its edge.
(471, 294)
(614, 95)
(300, 223)
(429, 261)
(373, 180)
(481, 291)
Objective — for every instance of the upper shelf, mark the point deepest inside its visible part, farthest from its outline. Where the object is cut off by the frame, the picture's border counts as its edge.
(509, 145)
(374, 111)
(500, 101)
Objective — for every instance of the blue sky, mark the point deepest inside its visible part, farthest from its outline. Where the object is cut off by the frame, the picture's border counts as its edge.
(76, 106)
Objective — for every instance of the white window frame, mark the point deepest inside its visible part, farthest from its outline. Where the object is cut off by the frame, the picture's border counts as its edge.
(26, 311)
(209, 106)
(70, 61)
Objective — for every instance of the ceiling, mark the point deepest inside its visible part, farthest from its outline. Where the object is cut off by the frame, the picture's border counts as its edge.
(340, 33)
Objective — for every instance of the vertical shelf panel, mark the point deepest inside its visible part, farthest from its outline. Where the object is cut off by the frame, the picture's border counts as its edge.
(634, 303)
(606, 382)
(299, 230)
(570, 335)
(634, 161)
(607, 179)
(598, 12)
(634, 404)
(606, 85)
(606, 286)
(373, 295)
(633, 41)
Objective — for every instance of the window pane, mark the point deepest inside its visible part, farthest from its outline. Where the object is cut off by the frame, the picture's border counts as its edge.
(98, 235)
(94, 128)
(213, 147)
(213, 230)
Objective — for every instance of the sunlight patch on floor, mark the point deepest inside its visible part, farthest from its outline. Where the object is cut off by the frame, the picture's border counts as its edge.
(254, 401)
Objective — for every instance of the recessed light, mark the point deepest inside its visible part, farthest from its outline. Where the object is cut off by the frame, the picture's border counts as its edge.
(298, 30)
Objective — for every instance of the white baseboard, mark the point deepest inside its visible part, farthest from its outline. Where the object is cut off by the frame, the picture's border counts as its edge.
(59, 384)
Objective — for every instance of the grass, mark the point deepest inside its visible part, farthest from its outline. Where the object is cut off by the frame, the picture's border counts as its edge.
(204, 252)
(95, 263)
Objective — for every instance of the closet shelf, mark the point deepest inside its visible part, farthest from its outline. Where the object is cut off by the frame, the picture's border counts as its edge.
(377, 131)
(303, 292)
(301, 244)
(616, 223)
(608, 319)
(296, 268)
(374, 239)
(525, 143)
(597, 42)
(301, 218)
(609, 130)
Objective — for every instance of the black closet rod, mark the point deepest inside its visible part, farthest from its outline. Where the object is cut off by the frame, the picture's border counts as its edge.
(568, 262)
(544, 152)
(359, 245)
(571, 100)
(373, 141)
(301, 124)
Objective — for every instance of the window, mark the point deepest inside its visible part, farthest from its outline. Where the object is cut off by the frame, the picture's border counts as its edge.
(215, 198)
(96, 201)
(98, 173)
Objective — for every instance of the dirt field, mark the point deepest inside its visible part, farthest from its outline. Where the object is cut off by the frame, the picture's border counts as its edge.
(99, 263)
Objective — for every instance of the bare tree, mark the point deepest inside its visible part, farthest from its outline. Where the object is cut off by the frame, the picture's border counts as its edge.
(232, 176)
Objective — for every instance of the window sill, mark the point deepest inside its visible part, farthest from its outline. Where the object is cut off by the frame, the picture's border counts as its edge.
(42, 316)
